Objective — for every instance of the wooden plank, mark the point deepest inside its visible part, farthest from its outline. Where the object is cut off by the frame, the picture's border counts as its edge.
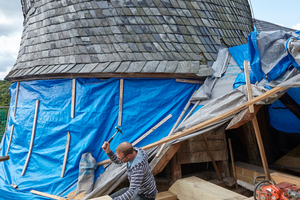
(43, 194)
(188, 81)
(212, 120)
(4, 158)
(73, 98)
(10, 138)
(281, 177)
(121, 103)
(232, 162)
(198, 157)
(152, 129)
(196, 188)
(32, 136)
(176, 124)
(158, 164)
(199, 146)
(291, 104)
(248, 84)
(16, 101)
(166, 195)
(192, 110)
(66, 155)
(255, 124)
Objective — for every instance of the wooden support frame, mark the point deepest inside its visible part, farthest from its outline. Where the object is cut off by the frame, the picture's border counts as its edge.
(32, 136)
(66, 155)
(16, 101)
(212, 120)
(121, 102)
(256, 126)
(10, 138)
(176, 124)
(73, 98)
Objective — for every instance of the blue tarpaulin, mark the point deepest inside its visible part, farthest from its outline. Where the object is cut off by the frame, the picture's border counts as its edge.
(145, 103)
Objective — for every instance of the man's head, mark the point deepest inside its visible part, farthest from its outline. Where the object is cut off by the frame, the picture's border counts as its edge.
(125, 152)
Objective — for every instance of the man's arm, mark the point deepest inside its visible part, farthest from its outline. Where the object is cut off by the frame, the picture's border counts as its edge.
(113, 157)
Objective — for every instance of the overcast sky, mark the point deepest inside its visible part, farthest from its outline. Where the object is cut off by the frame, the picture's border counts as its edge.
(280, 12)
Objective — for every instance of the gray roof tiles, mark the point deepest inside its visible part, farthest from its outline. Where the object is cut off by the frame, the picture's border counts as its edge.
(142, 36)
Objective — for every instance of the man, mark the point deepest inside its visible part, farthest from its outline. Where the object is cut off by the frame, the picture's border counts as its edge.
(142, 183)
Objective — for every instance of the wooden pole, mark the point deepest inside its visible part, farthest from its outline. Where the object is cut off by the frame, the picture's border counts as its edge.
(66, 155)
(248, 84)
(46, 195)
(16, 101)
(32, 136)
(256, 127)
(73, 98)
(121, 102)
(10, 138)
(191, 111)
(232, 163)
(176, 124)
(152, 129)
(212, 120)
(211, 157)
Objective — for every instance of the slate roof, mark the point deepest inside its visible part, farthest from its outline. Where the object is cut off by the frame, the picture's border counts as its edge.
(268, 26)
(127, 38)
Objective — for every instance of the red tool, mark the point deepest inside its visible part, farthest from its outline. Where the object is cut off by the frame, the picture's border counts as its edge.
(267, 190)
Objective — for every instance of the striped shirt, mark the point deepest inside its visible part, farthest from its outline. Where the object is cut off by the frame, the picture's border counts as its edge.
(139, 175)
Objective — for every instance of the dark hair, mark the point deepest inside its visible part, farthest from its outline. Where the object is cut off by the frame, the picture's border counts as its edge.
(125, 147)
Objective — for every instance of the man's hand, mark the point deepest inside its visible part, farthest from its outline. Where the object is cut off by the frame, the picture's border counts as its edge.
(106, 147)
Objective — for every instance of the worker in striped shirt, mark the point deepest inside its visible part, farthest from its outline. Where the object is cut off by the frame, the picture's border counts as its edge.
(142, 183)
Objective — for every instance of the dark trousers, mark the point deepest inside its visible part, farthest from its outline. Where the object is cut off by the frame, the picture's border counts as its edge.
(122, 191)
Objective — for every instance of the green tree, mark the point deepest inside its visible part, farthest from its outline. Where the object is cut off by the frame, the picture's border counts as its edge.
(4, 93)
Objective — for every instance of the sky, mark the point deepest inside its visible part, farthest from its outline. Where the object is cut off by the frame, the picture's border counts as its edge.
(279, 12)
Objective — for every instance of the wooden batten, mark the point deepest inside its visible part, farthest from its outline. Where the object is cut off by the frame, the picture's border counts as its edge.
(43, 194)
(10, 138)
(121, 102)
(66, 155)
(16, 101)
(32, 136)
(73, 98)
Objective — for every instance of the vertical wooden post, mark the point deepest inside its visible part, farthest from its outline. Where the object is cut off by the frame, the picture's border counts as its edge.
(66, 155)
(211, 157)
(121, 102)
(10, 138)
(256, 128)
(175, 169)
(232, 163)
(248, 85)
(32, 136)
(16, 101)
(73, 98)
(175, 125)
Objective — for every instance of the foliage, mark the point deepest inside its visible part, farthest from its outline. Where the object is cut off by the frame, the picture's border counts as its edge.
(4, 93)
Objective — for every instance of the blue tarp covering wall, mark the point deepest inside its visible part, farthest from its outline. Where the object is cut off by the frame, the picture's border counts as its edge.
(145, 103)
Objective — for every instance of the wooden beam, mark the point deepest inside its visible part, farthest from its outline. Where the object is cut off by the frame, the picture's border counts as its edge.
(176, 124)
(175, 169)
(248, 84)
(291, 104)
(212, 120)
(43, 194)
(281, 177)
(158, 164)
(192, 110)
(232, 163)
(121, 102)
(188, 81)
(16, 101)
(10, 138)
(211, 157)
(256, 126)
(32, 136)
(66, 155)
(73, 98)
(4, 158)
(152, 129)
